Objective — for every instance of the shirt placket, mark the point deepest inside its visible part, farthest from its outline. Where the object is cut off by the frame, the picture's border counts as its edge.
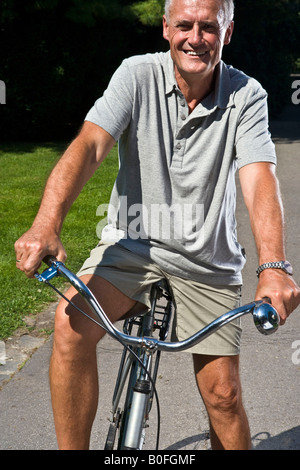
(180, 137)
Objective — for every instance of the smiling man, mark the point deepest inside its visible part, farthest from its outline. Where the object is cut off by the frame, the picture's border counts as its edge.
(197, 32)
(185, 122)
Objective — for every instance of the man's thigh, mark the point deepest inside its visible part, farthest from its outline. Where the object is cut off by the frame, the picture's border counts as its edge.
(120, 280)
(199, 304)
(129, 273)
(114, 303)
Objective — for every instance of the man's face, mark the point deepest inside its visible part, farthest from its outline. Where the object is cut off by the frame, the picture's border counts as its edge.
(197, 32)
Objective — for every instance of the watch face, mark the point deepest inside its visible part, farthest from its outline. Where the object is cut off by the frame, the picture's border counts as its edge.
(287, 267)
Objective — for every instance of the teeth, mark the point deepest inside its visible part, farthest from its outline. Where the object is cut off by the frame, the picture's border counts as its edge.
(195, 53)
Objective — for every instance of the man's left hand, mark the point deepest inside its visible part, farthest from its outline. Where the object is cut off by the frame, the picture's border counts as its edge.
(281, 289)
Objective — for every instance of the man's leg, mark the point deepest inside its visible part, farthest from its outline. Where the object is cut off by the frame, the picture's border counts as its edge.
(219, 384)
(73, 366)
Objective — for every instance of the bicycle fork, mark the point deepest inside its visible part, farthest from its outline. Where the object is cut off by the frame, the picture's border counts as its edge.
(141, 369)
(142, 391)
(139, 405)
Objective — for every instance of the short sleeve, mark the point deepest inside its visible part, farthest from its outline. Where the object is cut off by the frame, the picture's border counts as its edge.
(253, 139)
(113, 110)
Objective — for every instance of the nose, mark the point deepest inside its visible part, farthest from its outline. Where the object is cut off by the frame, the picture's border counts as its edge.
(196, 37)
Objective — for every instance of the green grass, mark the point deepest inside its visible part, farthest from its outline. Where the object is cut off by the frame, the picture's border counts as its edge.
(24, 168)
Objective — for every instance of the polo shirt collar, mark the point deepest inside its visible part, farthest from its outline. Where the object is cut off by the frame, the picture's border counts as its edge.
(220, 97)
(171, 83)
(222, 94)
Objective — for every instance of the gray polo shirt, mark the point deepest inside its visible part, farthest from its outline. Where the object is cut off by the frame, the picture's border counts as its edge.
(174, 198)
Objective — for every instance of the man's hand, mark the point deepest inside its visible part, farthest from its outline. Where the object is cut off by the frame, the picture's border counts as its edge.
(281, 289)
(33, 246)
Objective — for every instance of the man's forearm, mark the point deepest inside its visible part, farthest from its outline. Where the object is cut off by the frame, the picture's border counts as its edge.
(74, 169)
(262, 197)
(267, 221)
(263, 200)
(64, 184)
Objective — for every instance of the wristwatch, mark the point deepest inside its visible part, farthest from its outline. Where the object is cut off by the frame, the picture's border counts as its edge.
(284, 265)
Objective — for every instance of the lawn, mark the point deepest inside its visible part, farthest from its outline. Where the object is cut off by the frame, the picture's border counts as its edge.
(24, 168)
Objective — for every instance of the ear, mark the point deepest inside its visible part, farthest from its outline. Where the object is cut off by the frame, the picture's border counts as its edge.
(165, 28)
(229, 33)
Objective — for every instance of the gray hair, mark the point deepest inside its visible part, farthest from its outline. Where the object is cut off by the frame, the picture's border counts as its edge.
(228, 9)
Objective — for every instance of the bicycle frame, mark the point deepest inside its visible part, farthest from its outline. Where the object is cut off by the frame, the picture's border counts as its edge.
(142, 347)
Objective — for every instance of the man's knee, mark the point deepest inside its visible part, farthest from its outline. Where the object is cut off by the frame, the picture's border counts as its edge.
(219, 383)
(72, 328)
(224, 398)
(73, 331)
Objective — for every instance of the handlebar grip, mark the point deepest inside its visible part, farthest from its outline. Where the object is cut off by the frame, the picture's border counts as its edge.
(266, 318)
(49, 260)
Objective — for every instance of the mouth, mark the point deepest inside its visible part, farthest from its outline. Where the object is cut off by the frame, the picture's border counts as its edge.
(195, 54)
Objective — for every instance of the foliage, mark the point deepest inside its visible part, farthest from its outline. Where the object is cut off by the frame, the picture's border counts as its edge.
(57, 60)
(149, 12)
(57, 56)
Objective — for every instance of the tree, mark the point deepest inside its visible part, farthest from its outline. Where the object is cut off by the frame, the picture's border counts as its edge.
(149, 12)
(59, 55)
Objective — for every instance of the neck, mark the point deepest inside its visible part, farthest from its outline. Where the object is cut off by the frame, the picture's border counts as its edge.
(195, 89)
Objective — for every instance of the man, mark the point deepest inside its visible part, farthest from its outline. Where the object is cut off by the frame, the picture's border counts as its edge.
(184, 121)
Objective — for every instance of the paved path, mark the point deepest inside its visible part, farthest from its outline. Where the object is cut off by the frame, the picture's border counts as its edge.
(270, 366)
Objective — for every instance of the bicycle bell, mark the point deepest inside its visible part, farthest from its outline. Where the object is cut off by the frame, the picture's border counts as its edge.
(266, 318)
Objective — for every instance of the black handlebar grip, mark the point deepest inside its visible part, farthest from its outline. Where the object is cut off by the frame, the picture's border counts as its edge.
(49, 259)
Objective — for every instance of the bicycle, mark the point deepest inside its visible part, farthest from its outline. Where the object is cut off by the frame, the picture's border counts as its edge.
(144, 337)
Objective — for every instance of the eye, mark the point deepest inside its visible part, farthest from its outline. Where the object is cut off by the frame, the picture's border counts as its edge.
(210, 28)
(184, 26)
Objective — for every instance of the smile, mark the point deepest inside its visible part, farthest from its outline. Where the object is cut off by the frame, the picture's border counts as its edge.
(195, 54)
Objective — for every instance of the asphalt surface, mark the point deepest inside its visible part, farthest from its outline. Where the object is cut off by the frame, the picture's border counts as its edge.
(270, 365)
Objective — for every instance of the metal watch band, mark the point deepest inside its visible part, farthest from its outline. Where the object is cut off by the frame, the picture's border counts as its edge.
(284, 265)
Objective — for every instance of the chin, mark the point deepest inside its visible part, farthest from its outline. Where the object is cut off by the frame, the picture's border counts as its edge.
(195, 69)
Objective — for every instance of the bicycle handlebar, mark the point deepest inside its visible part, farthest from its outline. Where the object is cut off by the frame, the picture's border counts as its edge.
(266, 318)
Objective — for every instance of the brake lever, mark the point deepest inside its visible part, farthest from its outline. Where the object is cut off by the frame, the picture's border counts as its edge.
(50, 272)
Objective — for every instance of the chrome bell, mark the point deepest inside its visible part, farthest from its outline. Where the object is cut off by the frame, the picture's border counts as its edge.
(266, 318)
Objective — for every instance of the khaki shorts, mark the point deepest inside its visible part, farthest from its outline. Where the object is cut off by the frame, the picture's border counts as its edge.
(196, 304)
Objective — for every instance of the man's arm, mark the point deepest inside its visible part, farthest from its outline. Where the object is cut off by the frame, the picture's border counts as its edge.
(263, 200)
(74, 169)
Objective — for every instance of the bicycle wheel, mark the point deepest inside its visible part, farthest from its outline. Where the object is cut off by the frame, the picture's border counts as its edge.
(117, 406)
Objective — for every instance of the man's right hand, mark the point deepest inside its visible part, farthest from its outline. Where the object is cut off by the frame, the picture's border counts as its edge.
(73, 170)
(33, 246)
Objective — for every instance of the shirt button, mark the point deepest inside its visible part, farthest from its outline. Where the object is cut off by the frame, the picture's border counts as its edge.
(178, 146)
(183, 117)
